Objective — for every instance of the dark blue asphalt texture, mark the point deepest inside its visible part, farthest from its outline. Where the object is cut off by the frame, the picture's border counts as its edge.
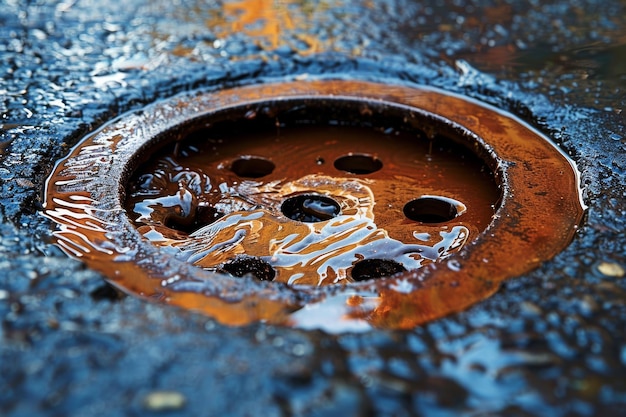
(549, 343)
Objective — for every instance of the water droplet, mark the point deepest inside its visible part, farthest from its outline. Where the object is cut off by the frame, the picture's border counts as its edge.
(454, 265)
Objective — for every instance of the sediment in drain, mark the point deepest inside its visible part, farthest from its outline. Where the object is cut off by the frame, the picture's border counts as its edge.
(311, 221)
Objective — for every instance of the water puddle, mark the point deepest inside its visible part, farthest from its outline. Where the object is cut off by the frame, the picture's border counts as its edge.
(311, 205)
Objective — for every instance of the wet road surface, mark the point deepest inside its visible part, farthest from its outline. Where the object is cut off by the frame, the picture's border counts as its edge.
(548, 343)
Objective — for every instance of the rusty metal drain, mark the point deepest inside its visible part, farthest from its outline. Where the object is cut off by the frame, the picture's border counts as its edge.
(334, 204)
(298, 200)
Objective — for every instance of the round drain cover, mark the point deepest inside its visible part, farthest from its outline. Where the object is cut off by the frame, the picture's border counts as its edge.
(334, 204)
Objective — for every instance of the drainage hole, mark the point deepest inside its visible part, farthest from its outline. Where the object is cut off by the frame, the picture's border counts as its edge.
(252, 166)
(204, 215)
(244, 265)
(310, 208)
(375, 268)
(430, 210)
(358, 164)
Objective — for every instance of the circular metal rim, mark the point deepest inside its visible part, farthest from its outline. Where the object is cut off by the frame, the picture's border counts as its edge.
(469, 276)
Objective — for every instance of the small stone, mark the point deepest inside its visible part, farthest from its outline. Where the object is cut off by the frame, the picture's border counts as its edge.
(164, 400)
(530, 309)
(611, 269)
(24, 182)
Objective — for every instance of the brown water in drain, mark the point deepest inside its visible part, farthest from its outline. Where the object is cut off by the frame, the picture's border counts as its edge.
(312, 204)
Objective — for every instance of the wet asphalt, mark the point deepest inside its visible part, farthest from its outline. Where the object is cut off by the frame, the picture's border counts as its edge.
(551, 342)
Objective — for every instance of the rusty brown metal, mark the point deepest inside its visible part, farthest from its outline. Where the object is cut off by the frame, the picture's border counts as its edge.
(537, 209)
(311, 204)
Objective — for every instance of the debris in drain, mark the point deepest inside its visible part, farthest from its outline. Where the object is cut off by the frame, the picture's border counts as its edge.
(310, 183)
(375, 268)
(244, 265)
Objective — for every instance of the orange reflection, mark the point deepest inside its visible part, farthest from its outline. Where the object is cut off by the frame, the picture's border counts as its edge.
(266, 21)
(260, 18)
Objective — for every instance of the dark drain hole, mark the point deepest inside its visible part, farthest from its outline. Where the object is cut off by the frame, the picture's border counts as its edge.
(375, 268)
(430, 210)
(310, 208)
(252, 167)
(204, 215)
(244, 265)
(358, 164)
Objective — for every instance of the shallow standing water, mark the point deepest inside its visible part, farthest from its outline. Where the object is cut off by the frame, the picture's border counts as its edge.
(365, 203)
(549, 343)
